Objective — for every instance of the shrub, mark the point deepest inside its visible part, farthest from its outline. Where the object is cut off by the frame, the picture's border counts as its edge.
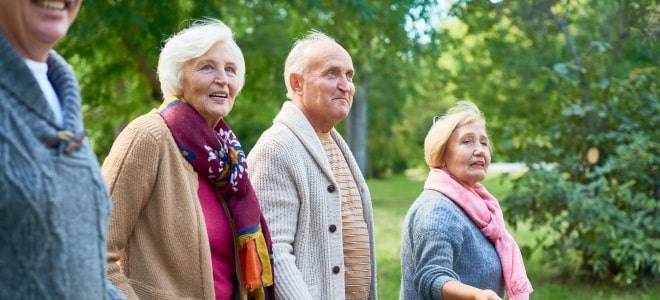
(603, 213)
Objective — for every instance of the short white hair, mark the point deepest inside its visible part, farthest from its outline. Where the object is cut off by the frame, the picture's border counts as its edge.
(298, 58)
(193, 42)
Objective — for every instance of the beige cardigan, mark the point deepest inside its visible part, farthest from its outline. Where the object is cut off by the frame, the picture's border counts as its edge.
(157, 242)
(300, 199)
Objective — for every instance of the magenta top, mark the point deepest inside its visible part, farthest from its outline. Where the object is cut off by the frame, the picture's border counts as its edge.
(220, 240)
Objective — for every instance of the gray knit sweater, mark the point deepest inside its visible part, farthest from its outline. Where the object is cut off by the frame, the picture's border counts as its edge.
(54, 206)
(441, 243)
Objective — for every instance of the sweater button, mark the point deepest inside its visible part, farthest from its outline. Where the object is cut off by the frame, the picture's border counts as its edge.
(331, 188)
(335, 269)
(333, 228)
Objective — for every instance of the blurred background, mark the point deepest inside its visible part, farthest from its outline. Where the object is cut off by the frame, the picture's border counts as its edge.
(569, 89)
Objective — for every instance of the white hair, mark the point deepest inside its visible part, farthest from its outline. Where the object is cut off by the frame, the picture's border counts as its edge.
(298, 58)
(190, 43)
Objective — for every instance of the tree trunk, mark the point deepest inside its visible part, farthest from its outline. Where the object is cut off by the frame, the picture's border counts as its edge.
(356, 123)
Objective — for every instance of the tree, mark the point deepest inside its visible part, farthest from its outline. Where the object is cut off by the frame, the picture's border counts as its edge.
(115, 46)
(386, 56)
(561, 80)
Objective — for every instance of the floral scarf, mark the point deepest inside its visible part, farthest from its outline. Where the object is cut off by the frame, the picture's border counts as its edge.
(485, 211)
(217, 154)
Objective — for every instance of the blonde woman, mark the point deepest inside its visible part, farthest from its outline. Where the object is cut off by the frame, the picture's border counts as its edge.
(454, 244)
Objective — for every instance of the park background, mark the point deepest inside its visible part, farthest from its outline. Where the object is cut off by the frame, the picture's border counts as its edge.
(569, 88)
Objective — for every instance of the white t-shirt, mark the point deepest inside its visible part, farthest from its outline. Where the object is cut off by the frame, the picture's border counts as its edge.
(40, 71)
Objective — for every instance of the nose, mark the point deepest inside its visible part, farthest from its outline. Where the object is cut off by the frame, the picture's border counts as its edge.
(345, 85)
(221, 78)
(480, 149)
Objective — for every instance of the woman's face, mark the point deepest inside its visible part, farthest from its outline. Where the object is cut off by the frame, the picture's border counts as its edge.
(468, 156)
(210, 83)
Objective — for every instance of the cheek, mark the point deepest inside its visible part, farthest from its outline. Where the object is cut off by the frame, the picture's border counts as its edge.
(234, 87)
(186, 89)
(186, 83)
(461, 157)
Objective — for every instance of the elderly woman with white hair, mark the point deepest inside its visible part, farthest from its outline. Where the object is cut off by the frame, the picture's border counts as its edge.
(185, 221)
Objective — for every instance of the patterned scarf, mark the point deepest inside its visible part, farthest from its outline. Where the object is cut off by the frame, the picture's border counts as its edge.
(217, 154)
(485, 211)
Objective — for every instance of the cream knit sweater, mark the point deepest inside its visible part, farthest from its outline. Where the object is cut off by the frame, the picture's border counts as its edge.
(300, 199)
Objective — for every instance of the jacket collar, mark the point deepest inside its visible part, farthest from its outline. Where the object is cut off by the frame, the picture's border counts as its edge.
(17, 79)
(294, 119)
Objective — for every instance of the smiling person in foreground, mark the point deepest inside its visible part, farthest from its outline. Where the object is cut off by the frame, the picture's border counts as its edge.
(54, 206)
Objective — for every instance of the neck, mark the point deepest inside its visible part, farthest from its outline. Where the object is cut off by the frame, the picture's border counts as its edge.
(33, 50)
(319, 126)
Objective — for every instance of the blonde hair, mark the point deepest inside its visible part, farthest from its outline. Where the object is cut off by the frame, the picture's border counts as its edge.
(435, 143)
(190, 43)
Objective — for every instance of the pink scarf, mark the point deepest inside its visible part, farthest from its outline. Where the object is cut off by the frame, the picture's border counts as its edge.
(485, 211)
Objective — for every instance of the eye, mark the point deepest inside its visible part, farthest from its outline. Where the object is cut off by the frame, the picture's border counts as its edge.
(231, 70)
(466, 141)
(349, 76)
(332, 73)
(207, 67)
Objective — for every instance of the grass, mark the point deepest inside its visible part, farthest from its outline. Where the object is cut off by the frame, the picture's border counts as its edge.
(391, 198)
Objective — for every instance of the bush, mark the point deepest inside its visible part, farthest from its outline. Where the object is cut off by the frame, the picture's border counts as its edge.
(603, 213)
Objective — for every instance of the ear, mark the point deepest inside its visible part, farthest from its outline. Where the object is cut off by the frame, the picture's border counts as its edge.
(296, 81)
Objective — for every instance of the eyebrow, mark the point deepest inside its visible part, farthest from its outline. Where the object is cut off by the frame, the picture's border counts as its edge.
(472, 134)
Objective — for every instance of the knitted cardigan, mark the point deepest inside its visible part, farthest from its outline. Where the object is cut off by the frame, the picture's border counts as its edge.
(158, 244)
(300, 199)
(441, 243)
(54, 206)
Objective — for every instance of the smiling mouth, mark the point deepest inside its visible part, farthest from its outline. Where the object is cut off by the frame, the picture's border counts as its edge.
(219, 95)
(50, 4)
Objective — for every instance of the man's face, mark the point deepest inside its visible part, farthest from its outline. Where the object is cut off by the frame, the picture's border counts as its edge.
(34, 26)
(326, 86)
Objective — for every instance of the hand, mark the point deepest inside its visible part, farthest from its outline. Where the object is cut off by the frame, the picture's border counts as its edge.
(487, 295)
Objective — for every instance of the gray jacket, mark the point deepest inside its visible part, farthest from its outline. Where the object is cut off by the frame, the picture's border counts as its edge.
(440, 243)
(54, 207)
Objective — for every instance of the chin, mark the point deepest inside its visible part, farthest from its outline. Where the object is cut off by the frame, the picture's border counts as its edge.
(478, 177)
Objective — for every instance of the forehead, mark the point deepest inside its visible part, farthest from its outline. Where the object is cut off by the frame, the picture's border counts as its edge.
(477, 127)
(328, 54)
(220, 51)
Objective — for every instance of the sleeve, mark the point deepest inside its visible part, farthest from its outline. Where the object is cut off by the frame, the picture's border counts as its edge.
(437, 241)
(130, 170)
(274, 175)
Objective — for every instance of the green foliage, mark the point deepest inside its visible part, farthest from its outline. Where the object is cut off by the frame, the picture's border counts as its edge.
(556, 80)
(114, 47)
(605, 215)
